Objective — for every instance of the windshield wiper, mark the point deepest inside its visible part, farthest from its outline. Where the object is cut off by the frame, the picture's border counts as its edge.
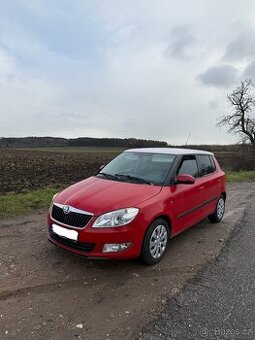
(133, 178)
(107, 175)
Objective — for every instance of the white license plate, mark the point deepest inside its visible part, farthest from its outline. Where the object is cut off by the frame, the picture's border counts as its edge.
(68, 233)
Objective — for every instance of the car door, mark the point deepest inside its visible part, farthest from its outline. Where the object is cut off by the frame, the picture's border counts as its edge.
(187, 199)
(210, 182)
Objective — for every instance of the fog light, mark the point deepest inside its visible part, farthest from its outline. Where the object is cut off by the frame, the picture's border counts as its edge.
(115, 247)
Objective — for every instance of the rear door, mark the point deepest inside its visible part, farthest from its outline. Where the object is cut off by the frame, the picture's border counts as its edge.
(210, 180)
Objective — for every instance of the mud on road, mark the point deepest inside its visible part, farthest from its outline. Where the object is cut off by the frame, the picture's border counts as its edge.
(47, 293)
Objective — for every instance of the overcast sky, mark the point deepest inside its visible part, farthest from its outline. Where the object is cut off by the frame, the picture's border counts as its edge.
(115, 68)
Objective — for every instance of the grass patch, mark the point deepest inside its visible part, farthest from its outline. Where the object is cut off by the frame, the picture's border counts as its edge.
(240, 176)
(16, 204)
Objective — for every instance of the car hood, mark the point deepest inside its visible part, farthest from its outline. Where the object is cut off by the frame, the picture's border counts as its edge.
(98, 195)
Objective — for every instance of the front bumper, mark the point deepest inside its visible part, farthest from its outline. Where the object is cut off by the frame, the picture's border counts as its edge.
(92, 240)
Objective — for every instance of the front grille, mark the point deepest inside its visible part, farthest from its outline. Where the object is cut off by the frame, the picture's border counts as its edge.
(87, 247)
(73, 219)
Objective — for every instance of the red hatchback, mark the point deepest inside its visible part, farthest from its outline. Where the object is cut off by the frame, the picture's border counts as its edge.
(137, 202)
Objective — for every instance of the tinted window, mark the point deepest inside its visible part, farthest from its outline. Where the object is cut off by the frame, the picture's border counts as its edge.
(206, 164)
(189, 167)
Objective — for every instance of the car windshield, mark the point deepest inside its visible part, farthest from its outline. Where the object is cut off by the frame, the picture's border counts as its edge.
(138, 167)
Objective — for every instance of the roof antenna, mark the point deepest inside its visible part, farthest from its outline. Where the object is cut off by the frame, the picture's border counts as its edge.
(187, 140)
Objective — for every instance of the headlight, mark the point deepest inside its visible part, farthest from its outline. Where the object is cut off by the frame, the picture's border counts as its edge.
(116, 218)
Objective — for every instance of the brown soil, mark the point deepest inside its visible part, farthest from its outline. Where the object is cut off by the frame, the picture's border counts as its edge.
(23, 170)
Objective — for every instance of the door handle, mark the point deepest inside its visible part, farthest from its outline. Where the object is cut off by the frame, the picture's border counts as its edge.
(219, 180)
(201, 187)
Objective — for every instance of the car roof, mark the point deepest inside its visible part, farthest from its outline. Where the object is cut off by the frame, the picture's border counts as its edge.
(172, 151)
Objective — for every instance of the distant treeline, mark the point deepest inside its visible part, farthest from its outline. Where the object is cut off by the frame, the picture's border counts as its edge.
(214, 147)
(27, 142)
(41, 142)
(34, 142)
(126, 142)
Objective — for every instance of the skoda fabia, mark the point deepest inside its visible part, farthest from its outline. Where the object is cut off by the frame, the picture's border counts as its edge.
(137, 202)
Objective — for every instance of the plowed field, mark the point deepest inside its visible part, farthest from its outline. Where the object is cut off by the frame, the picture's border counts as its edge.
(23, 170)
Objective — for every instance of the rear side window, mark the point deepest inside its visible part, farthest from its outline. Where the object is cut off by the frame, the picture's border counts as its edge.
(206, 164)
(189, 167)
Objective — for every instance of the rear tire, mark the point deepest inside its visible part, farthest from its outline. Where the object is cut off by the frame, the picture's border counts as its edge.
(218, 214)
(155, 242)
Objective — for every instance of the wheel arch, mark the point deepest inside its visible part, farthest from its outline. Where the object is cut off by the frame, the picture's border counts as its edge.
(224, 194)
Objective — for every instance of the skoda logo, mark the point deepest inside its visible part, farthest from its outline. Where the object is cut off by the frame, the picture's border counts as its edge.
(66, 209)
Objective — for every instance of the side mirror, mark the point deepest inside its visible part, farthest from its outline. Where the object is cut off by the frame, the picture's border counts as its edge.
(102, 166)
(185, 179)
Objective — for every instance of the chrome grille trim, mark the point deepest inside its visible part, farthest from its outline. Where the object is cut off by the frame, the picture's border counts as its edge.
(74, 210)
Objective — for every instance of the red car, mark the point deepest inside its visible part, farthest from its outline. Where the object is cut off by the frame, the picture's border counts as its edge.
(137, 202)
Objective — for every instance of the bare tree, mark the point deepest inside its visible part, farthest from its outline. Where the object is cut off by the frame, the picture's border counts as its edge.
(241, 118)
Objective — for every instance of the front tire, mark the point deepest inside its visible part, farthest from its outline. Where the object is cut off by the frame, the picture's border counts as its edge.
(155, 242)
(219, 211)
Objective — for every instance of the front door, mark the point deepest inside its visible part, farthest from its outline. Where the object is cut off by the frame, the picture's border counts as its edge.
(187, 199)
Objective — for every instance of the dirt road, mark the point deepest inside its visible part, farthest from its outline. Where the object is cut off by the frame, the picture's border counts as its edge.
(46, 293)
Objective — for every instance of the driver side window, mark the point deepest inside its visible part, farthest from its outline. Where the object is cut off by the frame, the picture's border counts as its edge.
(188, 166)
